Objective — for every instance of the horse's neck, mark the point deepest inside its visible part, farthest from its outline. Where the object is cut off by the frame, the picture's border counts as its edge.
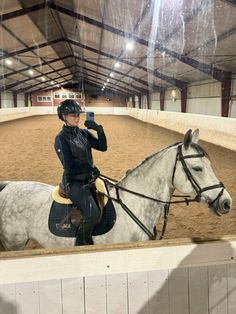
(153, 177)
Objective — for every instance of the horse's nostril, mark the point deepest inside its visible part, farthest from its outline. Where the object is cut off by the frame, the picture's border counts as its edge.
(226, 205)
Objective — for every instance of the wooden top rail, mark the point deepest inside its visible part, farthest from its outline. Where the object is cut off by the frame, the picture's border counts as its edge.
(111, 247)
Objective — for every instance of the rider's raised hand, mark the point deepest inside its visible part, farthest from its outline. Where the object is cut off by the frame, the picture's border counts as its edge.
(93, 125)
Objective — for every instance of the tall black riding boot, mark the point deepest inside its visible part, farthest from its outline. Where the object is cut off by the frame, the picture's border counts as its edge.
(84, 234)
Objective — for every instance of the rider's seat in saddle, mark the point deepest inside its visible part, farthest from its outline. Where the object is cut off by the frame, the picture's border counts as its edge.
(59, 195)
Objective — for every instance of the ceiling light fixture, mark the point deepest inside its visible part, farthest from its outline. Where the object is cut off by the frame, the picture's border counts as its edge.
(129, 45)
(52, 82)
(43, 78)
(8, 61)
(117, 65)
(108, 80)
(111, 74)
(31, 72)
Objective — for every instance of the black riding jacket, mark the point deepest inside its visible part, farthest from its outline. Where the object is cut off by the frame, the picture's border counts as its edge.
(73, 147)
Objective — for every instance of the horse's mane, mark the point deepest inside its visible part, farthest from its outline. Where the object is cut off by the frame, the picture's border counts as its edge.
(195, 146)
(129, 171)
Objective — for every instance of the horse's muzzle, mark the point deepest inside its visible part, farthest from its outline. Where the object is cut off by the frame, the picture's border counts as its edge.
(222, 206)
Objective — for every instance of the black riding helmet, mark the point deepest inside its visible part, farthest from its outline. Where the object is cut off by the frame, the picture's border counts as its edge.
(68, 106)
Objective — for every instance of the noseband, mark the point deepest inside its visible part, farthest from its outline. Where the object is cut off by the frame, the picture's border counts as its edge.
(195, 185)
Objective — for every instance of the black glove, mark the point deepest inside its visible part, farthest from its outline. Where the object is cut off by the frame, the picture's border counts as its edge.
(93, 125)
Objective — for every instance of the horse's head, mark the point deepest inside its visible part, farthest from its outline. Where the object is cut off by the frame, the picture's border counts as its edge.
(193, 175)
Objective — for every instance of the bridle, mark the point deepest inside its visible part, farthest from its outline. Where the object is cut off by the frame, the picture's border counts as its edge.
(180, 157)
(187, 200)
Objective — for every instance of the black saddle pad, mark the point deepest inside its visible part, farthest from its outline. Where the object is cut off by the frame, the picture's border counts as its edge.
(108, 219)
(59, 221)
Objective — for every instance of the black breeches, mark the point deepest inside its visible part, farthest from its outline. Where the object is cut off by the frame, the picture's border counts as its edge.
(81, 196)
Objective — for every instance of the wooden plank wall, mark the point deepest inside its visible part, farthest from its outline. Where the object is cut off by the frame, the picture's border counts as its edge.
(192, 290)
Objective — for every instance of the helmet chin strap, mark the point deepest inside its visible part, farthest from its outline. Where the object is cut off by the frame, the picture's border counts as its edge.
(64, 118)
(66, 122)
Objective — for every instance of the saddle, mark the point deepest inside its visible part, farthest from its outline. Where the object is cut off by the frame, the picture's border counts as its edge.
(65, 218)
(60, 197)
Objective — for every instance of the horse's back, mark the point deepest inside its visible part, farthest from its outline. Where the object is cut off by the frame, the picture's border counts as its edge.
(17, 195)
(23, 204)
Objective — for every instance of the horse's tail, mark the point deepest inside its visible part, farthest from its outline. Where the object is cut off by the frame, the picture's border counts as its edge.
(3, 184)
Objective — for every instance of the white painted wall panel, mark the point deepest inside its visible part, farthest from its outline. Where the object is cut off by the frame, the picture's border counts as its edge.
(7, 299)
(117, 301)
(7, 100)
(218, 289)
(155, 96)
(206, 106)
(233, 92)
(95, 294)
(231, 274)
(211, 89)
(73, 295)
(178, 291)
(158, 290)
(27, 298)
(155, 105)
(198, 290)
(174, 106)
(232, 109)
(20, 100)
(138, 292)
(50, 297)
(144, 102)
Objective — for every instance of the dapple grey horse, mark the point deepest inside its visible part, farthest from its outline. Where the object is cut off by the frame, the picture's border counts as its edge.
(25, 206)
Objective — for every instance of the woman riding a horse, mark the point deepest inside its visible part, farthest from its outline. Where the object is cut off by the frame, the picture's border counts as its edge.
(73, 146)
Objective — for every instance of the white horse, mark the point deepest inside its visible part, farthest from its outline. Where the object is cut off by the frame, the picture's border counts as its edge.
(25, 206)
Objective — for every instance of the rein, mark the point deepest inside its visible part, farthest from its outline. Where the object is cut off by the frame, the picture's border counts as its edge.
(151, 235)
(187, 200)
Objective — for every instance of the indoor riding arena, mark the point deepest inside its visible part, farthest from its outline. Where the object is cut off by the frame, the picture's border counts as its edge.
(147, 71)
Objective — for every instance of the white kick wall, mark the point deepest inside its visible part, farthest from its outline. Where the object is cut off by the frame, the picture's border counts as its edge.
(154, 277)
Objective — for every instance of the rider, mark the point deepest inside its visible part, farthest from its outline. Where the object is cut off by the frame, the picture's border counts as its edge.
(73, 146)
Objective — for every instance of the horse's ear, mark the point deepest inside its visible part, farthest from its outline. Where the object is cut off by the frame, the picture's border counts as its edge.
(195, 136)
(188, 139)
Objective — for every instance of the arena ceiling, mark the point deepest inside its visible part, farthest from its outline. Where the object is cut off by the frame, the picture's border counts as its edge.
(132, 46)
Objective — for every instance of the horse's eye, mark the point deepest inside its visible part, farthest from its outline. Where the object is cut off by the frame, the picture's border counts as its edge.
(197, 168)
